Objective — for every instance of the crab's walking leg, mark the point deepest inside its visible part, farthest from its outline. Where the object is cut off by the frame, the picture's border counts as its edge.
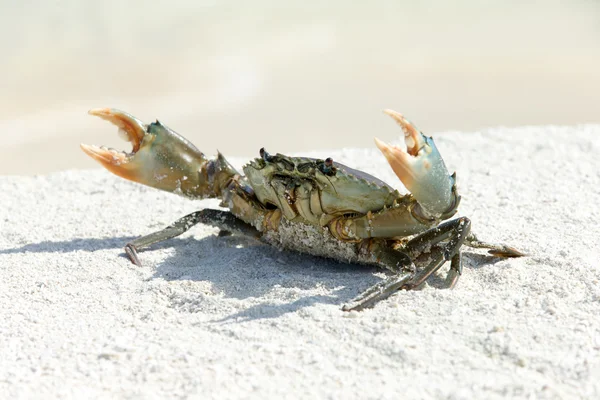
(378, 292)
(455, 270)
(403, 269)
(497, 250)
(453, 232)
(224, 220)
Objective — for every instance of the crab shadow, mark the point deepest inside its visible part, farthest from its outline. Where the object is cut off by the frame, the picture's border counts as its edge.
(234, 266)
(69, 246)
(242, 268)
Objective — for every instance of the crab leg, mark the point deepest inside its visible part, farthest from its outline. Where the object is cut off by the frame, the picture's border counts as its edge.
(378, 292)
(399, 263)
(497, 250)
(453, 232)
(224, 220)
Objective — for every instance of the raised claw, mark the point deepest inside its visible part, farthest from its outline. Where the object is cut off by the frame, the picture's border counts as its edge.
(421, 169)
(132, 130)
(160, 157)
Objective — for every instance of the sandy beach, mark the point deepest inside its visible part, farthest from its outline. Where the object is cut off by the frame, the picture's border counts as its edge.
(509, 90)
(224, 318)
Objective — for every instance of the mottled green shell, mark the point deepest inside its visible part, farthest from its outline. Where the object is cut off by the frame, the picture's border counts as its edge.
(342, 190)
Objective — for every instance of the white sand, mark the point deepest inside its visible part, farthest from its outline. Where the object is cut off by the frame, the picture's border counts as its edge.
(219, 318)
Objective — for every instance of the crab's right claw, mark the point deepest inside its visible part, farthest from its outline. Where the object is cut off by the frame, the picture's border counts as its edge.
(160, 157)
(421, 169)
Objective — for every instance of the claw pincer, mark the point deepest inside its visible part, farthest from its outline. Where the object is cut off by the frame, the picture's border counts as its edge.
(421, 169)
(160, 158)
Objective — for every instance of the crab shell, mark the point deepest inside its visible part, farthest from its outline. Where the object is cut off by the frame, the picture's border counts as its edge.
(342, 191)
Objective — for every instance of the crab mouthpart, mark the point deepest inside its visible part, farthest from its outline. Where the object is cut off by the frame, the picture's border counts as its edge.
(130, 129)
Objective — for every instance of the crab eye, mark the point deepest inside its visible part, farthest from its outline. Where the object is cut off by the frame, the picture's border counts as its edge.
(264, 155)
(326, 167)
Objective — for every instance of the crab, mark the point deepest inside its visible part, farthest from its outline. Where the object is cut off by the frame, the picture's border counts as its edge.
(315, 206)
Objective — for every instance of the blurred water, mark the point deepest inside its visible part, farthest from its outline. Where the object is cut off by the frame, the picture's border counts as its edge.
(290, 76)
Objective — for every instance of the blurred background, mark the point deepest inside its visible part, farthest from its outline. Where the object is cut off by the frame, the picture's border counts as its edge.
(289, 75)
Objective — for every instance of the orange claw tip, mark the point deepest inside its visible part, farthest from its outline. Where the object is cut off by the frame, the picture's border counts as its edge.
(118, 163)
(382, 146)
(399, 160)
(99, 111)
(92, 151)
(393, 114)
(391, 152)
(113, 115)
(132, 129)
(104, 156)
(399, 118)
(412, 136)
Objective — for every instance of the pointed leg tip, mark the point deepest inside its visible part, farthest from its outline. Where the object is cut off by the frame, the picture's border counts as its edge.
(507, 252)
(517, 253)
(353, 308)
(131, 252)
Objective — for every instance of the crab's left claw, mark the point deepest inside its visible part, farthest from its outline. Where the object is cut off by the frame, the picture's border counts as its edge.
(421, 169)
(160, 157)
(132, 130)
